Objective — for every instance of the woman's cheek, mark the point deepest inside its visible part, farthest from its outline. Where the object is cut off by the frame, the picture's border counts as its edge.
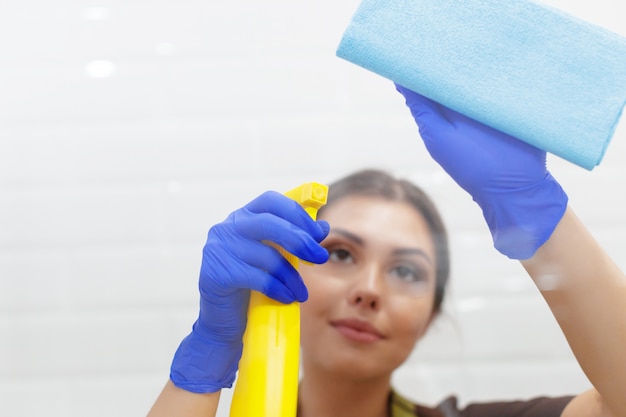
(413, 317)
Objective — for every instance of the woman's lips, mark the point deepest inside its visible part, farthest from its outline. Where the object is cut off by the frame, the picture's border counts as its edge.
(357, 330)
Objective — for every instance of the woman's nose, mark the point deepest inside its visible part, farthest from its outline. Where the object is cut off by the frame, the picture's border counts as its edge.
(366, 292)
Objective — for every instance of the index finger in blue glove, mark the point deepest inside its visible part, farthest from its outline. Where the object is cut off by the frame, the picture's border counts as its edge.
(423, 109)
(288, 209)
(428, 113)
(269, 227)
(276, 218)
(250, 265)
(469, 150)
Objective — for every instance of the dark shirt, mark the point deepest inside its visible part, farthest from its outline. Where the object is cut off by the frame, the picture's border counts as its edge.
(536, 407)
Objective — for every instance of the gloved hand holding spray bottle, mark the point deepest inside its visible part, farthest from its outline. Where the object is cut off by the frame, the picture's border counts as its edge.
(256, 248)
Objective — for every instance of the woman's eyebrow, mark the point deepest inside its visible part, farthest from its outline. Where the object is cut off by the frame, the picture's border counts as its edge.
(413, 251)
(348, 235)
(400, 251)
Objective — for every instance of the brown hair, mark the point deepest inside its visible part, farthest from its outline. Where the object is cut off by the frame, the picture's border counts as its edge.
(377, 183)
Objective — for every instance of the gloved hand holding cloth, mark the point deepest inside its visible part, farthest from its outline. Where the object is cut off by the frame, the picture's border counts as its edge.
(521, 202)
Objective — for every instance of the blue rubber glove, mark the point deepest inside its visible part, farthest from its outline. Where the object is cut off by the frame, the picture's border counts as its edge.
(521, 202)
(235, 260)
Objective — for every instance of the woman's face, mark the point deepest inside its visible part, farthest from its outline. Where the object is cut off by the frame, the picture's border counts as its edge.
(373, 299)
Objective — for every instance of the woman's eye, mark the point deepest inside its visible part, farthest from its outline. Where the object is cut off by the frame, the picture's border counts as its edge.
(407, 273)
(340, 255)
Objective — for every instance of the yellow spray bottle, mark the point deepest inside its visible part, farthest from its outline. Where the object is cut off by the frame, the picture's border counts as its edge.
(267, 383)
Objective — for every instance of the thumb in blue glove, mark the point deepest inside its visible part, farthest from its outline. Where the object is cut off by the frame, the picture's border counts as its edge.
(521, 202)
(235, 260)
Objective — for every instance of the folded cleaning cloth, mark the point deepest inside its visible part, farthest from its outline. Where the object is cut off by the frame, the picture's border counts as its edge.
(534, 72)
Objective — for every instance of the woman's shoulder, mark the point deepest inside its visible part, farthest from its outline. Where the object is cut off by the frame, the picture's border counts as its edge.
(400, 406)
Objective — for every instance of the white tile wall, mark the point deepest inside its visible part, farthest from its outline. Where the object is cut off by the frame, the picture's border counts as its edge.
(127, 128)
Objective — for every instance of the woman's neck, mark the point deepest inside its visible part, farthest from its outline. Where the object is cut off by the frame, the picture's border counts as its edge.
(324, 395)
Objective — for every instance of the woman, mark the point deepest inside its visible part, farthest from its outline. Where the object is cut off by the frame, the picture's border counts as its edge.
(380, 279)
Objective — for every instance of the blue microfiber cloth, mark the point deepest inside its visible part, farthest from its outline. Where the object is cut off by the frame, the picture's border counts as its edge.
(534, 72)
